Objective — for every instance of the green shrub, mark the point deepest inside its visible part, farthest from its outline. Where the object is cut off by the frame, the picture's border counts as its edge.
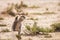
(34, 29)
(42, 30)
(1, 18)
(5, 30)
(28, 27)
(56, 26)
(47, 30)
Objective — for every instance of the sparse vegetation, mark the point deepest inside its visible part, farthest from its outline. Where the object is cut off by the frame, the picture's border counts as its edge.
(16, 8)
(43, 13)
(5, 30)
(34, 6)
(20, 5)
(36, 30)
(5, 39)
(36, 19)
(33, 30)
(45, 31)
(49, 13)
(18, 36)
(56, 26)
(3, 25)
(33, 19)
(28, 27)
(24, 5)
(11, 13)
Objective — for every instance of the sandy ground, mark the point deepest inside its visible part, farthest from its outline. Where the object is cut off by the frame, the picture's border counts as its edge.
(43, 20)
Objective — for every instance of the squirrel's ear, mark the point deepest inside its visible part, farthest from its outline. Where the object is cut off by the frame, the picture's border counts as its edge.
(16, 17)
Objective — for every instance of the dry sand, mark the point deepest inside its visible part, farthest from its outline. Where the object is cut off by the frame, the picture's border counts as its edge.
(43, 20)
